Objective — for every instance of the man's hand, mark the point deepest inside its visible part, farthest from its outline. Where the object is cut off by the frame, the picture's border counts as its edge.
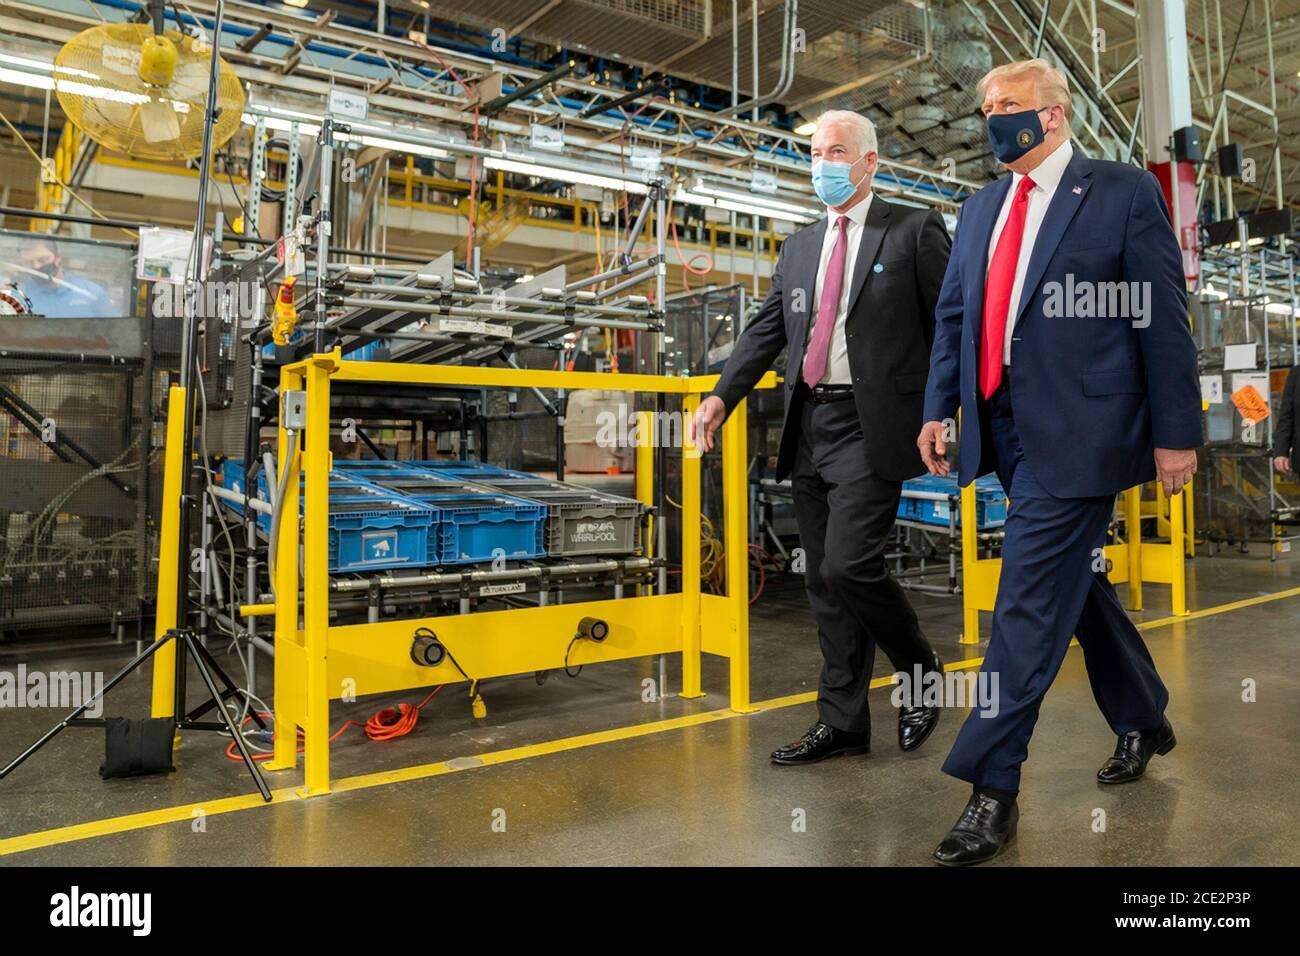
(933, 450)
(706, 421)
(1282, 464)
(1174, 468)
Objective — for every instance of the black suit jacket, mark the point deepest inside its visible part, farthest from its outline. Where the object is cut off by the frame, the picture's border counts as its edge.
(889, 329)
(1286, 431)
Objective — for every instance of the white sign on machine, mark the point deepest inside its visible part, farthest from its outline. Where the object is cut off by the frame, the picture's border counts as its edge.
(549, 138)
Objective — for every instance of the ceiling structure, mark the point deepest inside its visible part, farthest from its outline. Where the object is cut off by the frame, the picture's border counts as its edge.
(910, 65)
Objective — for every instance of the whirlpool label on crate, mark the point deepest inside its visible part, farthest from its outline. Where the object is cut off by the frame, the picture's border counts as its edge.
(593, 532)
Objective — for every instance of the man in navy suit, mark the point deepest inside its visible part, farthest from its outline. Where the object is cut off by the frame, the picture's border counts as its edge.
(1062, 335)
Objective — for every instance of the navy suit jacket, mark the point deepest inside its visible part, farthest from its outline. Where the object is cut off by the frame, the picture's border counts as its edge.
(1093, 397)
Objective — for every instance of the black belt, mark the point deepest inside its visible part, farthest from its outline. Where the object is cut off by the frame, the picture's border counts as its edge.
(825, 394)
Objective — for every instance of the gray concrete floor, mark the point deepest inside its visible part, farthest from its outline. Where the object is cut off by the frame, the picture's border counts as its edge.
(707, 794)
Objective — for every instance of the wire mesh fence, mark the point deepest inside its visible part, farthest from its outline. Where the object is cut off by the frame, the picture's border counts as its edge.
(74, 529)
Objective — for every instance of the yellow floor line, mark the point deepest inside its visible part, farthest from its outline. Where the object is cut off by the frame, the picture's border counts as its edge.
(1220, 609)
(153, 818)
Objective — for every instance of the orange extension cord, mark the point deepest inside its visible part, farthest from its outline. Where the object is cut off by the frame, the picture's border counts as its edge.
(387, 724)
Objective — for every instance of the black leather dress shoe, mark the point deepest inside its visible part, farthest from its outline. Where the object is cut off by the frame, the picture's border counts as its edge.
(915, 724)
(1134, 751)
(985, 828)
(821, 741)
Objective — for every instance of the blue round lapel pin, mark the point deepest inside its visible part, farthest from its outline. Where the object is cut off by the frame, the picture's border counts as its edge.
(877, 268)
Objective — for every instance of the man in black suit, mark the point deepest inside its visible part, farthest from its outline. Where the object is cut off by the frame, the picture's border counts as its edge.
(852, 297)
(1286, 433)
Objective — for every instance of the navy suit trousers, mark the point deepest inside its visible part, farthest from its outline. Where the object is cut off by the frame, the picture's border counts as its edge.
(1050, 589)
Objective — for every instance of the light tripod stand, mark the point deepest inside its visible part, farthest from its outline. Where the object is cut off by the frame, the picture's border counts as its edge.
(178, 503)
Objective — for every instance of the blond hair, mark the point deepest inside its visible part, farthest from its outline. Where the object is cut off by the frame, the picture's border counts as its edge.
(1052, 87)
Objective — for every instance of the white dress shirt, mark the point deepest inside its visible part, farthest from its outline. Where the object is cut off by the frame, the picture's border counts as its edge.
(1046, 176)
(837, 363)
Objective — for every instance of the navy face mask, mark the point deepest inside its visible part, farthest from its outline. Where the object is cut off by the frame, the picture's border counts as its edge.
(1011, 135)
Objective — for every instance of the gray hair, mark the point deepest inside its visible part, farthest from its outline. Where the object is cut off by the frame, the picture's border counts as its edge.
(864, 131)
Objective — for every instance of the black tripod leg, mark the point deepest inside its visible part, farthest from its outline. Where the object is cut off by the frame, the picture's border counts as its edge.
(192, 643)
(231, 689)
(113, 682)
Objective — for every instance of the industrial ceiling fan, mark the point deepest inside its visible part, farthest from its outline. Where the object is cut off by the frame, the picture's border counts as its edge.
(140, 89)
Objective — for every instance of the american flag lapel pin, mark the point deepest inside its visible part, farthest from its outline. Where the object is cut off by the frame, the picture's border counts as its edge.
(1077, 190)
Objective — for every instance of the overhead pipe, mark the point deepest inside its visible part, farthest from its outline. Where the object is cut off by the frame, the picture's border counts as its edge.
(785, 79)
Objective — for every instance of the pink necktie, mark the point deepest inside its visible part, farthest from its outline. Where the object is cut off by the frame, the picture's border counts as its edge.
(814, 363)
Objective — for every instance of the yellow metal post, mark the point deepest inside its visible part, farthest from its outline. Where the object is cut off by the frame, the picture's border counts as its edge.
(315, 575)
(970, 632)
(1189, 518)
(1133, 534)
(169, 557)
(288, 676)
(1178, 564)
(690, 555)
(735, 504)
(645, 478)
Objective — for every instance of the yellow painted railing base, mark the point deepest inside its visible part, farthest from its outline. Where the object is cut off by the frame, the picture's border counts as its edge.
(1134, 561)
(316, 662)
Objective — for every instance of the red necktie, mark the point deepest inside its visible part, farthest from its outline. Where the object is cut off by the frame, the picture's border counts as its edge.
(814, 363)
(997, 290)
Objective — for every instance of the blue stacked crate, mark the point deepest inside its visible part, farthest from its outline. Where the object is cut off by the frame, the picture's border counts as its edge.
(376, 351)
(990, 502)
(486, 474)
(350, 465)
(231, 474)
(480, 524)
(370, 527)
(377, 532)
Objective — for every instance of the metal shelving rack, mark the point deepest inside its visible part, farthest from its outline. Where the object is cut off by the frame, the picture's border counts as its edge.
(1245, 299)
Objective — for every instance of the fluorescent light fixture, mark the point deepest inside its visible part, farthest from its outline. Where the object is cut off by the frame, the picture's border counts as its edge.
(35, 80)
(309, 125)
(295, 3)
(748, 206)
(27, 62)
(283, 125)
(380, 143)
(806, 128)
(563, 175)
(77, 88)
(753, 209)
(763, 201)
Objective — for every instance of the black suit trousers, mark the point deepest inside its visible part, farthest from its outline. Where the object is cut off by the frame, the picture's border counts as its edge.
(845, 514)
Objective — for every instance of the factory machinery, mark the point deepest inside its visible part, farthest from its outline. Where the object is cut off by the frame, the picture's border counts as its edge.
(381, 575)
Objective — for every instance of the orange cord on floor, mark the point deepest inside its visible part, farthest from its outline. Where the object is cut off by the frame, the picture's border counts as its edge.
(387, 724)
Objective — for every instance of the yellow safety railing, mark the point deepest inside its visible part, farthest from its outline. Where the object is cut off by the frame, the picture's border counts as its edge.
(1131, 560)
(316, 661)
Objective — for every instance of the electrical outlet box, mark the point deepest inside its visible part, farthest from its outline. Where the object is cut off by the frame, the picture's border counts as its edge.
(293, 410)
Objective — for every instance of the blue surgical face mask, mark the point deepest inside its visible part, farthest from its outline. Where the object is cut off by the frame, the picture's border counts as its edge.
(832, 182)
(1011, 135)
